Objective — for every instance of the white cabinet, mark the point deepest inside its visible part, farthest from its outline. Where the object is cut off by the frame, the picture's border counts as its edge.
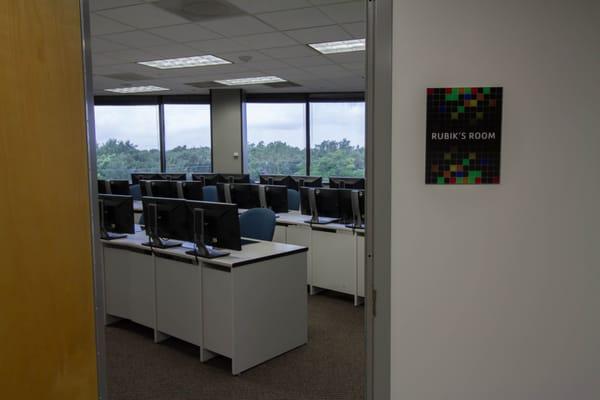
(301, 235)
(360, 264)
(334, 260)
(280, 235)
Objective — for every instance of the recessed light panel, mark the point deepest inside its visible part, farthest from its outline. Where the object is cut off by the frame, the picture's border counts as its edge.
(344, 46)
(137, 89)
(185, 62)
(259, 80)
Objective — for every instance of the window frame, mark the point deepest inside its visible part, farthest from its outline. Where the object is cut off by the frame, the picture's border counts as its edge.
(307, 98)
(159, 101)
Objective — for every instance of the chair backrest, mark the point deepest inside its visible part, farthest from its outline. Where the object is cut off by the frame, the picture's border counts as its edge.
(136, 191)
(210, 193)
(293, 200)
(258, 223)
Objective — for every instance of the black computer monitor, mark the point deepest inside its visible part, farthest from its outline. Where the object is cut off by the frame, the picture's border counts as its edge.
(305, 181)
(213, 225)
(192, 190)
(352, 207)
(328, 203)
(338, 182)
(144, 176)
(321, 204)
(103, 186)
(304, 200)
(173, 176)
(284, 180)
(116, 216)
(207, 179)
(165, 219)
(276, 198)
(161, 189)
(120, 186)
(244, 195)
(234, 178)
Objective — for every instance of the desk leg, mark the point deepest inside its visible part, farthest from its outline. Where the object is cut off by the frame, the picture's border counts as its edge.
(315, 290)
(358, 300)
(160, 337)
(110, 319)
(206, 355)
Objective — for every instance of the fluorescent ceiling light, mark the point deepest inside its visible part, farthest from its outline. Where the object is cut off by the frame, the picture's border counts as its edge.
(185, 62)
(251, 81)
(344, 46)
(137, 89)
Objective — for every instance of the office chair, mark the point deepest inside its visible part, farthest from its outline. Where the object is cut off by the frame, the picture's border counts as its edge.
(136, 191)
(258, 223)
(293, 200)
(210, 193)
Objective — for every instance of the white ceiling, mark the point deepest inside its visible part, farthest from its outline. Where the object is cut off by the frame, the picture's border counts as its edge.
(273, 33)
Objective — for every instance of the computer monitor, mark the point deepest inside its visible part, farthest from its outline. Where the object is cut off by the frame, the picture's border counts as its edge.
(352, 207)
(305, 181)
(275, 198)
(213, 225)
(338, 182)
(165, 219)
(116, 216)
(321, 204)
(103, 186)
(244, 195)
(173, 176)
(119, 186)
(191, 190)
(284, 180)
(144, 176)
(234, 178)
(207, 179)
(167, 189)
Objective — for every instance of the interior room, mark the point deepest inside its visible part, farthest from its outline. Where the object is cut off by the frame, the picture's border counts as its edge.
(299, 200)
(209, 109)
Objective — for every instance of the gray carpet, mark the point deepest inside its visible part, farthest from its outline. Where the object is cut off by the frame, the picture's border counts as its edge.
(329, 367)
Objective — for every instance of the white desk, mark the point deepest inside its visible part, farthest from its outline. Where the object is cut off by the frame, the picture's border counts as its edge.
(336, 253)
(250, 306)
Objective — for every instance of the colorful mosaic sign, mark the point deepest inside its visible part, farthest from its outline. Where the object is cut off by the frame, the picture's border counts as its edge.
(463, 135)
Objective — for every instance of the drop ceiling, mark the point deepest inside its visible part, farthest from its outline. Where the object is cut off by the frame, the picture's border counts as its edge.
(259, 37)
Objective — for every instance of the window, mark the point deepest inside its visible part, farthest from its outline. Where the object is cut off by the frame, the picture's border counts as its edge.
(127, 140)
(187, 137)
(337, 137)
(276, 134)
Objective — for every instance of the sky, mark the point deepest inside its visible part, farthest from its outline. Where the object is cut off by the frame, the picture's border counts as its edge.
(189, 124)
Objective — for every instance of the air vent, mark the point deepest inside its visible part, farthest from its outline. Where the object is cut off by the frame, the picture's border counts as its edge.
(278, 85)
(205, 85)
(128, 76)
(200, 10)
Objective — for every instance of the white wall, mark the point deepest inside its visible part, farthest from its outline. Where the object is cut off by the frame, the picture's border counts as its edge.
(227, 130)
(496, 289)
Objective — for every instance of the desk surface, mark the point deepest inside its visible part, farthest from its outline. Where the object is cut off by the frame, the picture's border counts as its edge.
(250, 253)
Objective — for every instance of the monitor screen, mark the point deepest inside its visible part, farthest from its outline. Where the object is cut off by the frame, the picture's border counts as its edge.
(116, 214)
(305, 181)
(336, 182)
(207, 179)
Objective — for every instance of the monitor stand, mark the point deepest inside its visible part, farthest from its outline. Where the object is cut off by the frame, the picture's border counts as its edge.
(151, 225)
(314, 212)
(200, 248)
(161, 243)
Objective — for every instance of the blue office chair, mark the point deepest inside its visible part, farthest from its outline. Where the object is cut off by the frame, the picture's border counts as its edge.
(136, 192)
(210, 193)
(293, 200)
(258, 223)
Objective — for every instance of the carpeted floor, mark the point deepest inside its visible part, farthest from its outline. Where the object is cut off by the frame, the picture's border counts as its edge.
(329, 367)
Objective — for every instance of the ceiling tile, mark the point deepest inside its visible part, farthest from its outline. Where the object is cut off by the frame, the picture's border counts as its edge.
(346, 58)
(143, 16)
(308, 61)
(185, 33)
(290, 52)
(138, 39)
(328, 71)
(101, 59)
(320, 34)
(296, 19)
(243, 57)
(266, 40)
(356, 29)
(101, 25)
(100, 45)
(260, 6)
(323, 2)
(130, 55)
(217, 45)
(346, 12)
(104, 4)
(171, 51)
(237, 26)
